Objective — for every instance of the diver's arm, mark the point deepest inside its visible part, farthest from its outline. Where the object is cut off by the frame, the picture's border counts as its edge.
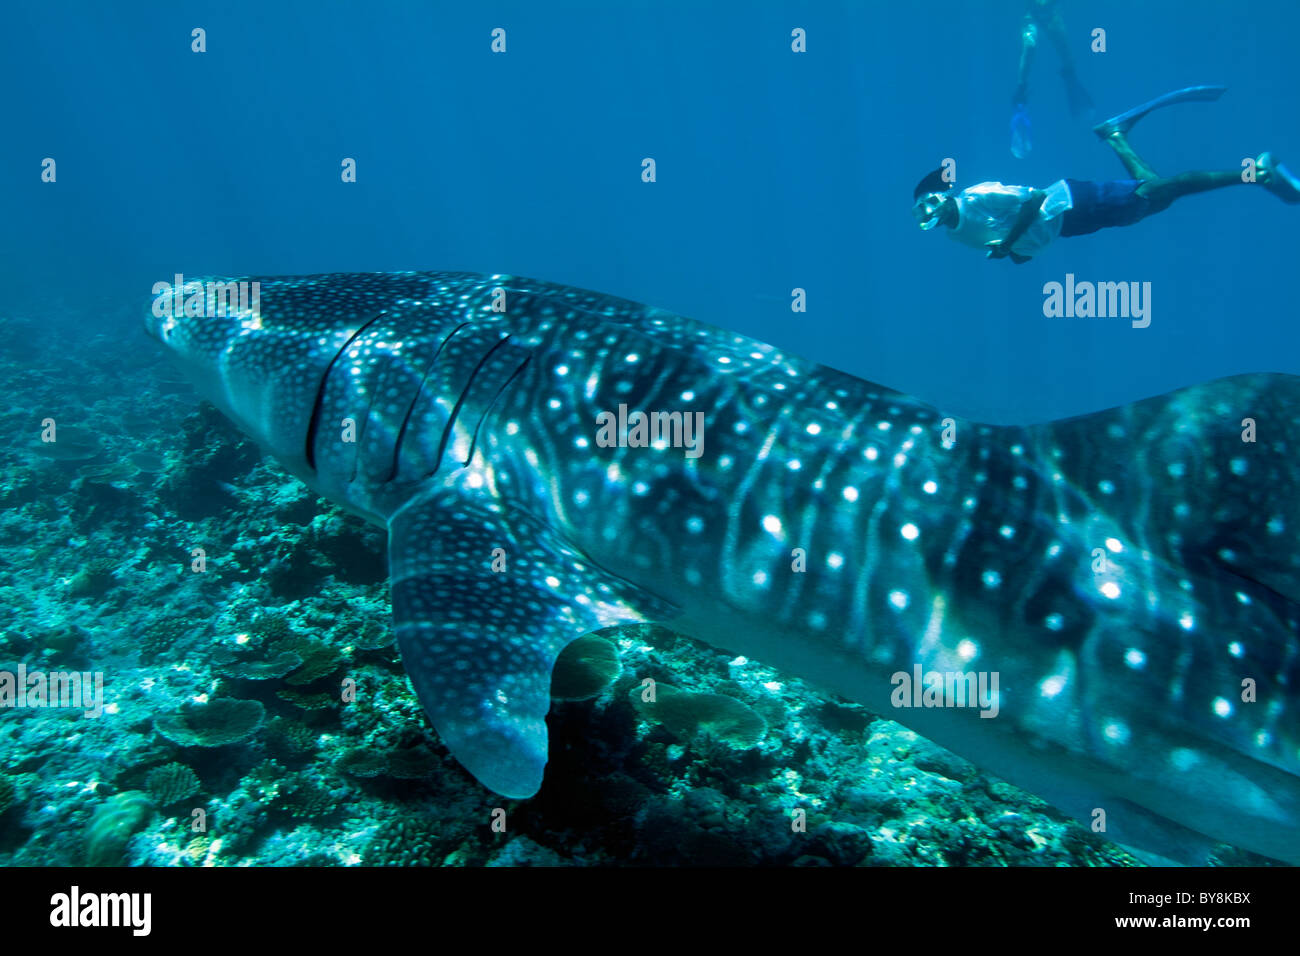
(1024, 219)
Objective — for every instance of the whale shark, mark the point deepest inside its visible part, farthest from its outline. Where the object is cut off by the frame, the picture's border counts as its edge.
(1121, 587)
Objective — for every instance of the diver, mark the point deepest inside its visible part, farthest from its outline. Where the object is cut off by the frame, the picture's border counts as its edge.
(1018, 221)
(1047, 15)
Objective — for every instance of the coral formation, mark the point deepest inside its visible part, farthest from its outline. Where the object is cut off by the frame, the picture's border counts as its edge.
(308, 700)
(289, 738)
(94, 580)
(408, 843)
(71, 444)
(171, 783)
(113, 824)
(359, 762)
(305, 800)
(585, 668)
(319, 660)
(161, 634)
(251, 667)
(269, 628)
(686, 713)
(409, 763)
(224, 720)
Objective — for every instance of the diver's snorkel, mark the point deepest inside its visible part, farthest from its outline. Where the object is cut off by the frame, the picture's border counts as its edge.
(929, 196)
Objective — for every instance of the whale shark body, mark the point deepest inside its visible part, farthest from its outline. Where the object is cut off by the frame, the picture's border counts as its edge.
(1129, 579)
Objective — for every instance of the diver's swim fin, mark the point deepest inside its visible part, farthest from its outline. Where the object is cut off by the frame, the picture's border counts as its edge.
(1125, 121)
(1278, 180)
(1022, 135)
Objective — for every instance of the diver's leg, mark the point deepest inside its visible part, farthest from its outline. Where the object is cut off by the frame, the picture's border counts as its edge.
(1137, 167)
(1056, 30)
(1028, 42)
(1080, 102)
(1022, 140)
(1162, 192)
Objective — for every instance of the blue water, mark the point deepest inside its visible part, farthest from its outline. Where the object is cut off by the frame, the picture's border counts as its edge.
(776, 170)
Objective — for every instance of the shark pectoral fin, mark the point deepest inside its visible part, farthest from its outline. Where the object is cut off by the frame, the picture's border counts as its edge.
(483, 604)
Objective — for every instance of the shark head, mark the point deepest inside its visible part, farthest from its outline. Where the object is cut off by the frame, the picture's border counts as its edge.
(307, 376)
(375, 391)
(263, 374)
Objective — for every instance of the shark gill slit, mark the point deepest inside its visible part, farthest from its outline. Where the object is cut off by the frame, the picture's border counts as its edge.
(375, 390)
(410, 409)
(313, 425)
(488, 411)
(460, 401)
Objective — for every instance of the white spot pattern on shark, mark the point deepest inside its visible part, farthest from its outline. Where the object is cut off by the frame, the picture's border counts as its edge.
(1120, 678)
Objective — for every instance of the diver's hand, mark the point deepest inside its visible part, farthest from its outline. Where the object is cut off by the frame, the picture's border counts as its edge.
(1000, 250)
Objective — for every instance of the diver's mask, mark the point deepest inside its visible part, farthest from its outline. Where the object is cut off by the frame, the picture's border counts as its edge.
(926, 210)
